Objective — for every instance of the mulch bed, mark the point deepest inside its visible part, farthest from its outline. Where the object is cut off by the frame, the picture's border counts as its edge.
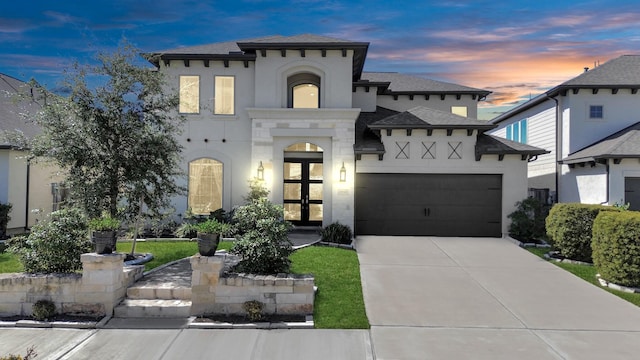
(60, 317)
(239, 319)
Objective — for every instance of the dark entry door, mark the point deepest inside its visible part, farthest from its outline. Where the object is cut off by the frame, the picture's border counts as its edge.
(303, 187)
(632, 193)
(429, 204)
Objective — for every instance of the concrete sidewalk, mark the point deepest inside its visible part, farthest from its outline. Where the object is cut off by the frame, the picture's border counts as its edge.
(462, 298)
(169, 344)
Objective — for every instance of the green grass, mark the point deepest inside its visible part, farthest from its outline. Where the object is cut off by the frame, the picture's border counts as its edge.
(588, 273)
(339, 303)
(165, 251)
(9, 263)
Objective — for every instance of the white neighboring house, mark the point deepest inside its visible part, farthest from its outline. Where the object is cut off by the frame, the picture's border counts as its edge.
(29, 187)
(591, 126)
(383, 153)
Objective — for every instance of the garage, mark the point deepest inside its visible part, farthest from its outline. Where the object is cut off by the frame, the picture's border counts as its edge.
(428, 204)
(632, 193)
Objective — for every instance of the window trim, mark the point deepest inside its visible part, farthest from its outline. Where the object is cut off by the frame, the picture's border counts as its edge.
(233, 110)
(180, 95)
(591, 112)
(301, 79)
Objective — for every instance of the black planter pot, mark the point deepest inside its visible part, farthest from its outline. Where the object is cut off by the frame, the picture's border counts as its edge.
(208, 244)
(105, 241)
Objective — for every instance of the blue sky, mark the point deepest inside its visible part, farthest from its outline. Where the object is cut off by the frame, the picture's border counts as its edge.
(516, 49)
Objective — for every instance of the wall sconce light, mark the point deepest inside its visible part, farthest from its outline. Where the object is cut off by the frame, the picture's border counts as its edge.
(343, 173)
(260, 171)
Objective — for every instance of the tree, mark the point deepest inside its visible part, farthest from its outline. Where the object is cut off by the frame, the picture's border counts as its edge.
(116, 142)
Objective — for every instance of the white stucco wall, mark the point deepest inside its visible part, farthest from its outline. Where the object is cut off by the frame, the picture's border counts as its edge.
(620, 111)
(272, 71)
(617, 173)
(365, 100)
(512, 168)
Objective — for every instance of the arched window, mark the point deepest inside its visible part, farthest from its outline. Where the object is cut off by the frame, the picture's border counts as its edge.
(205, 186)
(304, 91)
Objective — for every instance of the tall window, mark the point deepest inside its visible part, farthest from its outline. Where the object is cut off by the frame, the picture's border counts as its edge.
(517, 131)
(189, 94)
(224, 101)
(459, 110)
(596, 112)
(305, 96)
(205, 186)
(304, 91)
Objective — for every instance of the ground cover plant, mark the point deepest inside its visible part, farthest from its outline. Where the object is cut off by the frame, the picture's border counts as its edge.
(339, 303)
(587, 273)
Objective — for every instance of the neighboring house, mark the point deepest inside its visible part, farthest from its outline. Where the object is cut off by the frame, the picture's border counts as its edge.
(384, 153)
(28, 187)
(591, 126)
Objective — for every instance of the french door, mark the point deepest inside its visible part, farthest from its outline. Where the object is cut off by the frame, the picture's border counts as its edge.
(303, 187)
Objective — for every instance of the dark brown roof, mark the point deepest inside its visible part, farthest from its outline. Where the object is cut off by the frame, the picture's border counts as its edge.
(367, 141)
(408, 84)
(619, 73)
(494, 145)
(246, 49)
(426, 118)
(620, 145)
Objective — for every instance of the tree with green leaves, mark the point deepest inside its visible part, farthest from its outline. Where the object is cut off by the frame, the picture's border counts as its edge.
(115, 141)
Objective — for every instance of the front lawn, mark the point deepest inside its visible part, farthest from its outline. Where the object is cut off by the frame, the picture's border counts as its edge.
(339, 303)
(588, 273)
(165, 251)
(9, 263)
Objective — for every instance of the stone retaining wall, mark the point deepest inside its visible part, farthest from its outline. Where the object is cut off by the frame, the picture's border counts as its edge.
(102, 285)
(213, 292)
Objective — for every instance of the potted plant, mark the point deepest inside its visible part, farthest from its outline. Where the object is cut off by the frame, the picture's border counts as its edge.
(104, 230)
(209, 233)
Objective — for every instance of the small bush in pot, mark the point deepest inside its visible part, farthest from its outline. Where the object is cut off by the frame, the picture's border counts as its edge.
(336, 233)
(104, 233)
(209, 233)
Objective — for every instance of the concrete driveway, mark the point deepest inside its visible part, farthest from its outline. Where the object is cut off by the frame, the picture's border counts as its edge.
(486, 298)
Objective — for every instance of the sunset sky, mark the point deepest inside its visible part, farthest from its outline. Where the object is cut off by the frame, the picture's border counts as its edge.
(516, 49)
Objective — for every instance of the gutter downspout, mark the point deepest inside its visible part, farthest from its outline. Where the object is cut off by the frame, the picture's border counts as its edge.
(26, 211)
(607, 184)
(558, 148)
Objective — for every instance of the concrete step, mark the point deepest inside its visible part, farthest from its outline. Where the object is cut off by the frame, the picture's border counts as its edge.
(148, 291)
(141, 308)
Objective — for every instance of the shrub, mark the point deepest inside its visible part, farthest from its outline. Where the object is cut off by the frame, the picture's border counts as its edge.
(263, 245)
(569, 227)
(43, 310)
(528, 221)
(616, 247)
(336, 233)
(31, 354)
(55, 244)
(254, 310)
(187, 230)
(5, 209)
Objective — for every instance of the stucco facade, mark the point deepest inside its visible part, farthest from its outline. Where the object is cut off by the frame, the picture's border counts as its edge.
(258, 139)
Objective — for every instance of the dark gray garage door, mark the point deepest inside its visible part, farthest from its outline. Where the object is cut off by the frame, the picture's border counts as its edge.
(429, 204)
(632, 193)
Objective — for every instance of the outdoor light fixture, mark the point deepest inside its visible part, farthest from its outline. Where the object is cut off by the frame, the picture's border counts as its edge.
(260, 171)
(343, 173)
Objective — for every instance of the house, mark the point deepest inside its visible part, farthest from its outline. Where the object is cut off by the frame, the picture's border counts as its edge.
(384, 153)
(28, 187)
(590, 125)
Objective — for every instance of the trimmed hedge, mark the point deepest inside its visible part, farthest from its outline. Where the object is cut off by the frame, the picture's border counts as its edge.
(616, 247)
(569, 227)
